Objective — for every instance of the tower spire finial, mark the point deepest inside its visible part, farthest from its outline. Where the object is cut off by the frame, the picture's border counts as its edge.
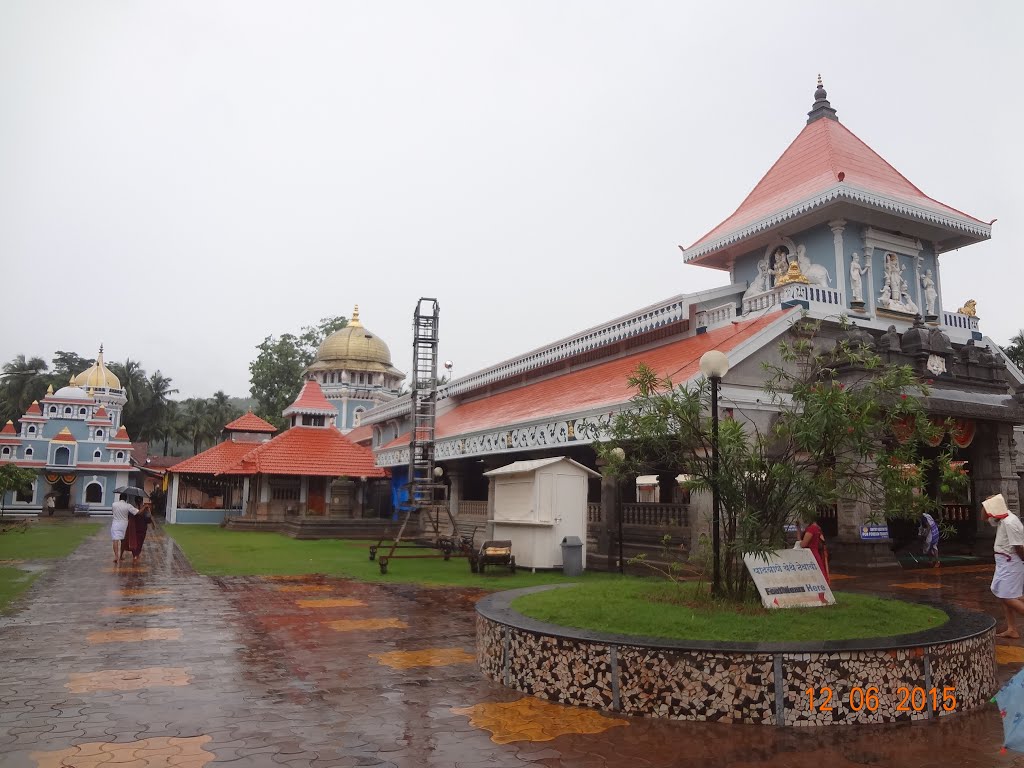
(821, 107)
(354, 322)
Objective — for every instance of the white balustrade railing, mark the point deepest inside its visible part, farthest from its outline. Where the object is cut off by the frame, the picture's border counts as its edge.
(724, 313)
(960, 320)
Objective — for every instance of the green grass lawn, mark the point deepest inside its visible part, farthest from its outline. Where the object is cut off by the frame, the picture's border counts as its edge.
(39, 541)
(44, 540)
(13, 582)
(218, 552)
(637, 608)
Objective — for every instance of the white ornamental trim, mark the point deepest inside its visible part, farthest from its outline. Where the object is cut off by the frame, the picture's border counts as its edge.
(847, 192)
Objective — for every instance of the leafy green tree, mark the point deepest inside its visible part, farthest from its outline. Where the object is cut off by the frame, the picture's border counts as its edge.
(196, 423)
(276, 374)
(1015, 350)
(842, 429)
(66, 365)
(14, 478)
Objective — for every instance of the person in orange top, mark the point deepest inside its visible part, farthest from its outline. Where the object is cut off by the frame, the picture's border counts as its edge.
(814, 540)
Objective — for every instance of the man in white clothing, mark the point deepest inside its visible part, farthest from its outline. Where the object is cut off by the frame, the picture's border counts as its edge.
(1008, 581)
(121, 510)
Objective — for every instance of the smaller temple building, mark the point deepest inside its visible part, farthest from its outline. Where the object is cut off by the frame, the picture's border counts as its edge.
(353, 367)
(308, 478)
(75, 442)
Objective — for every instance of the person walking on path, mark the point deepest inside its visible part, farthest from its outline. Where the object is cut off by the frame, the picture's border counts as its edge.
(121, 512)
(930, 532)
(1008, 581)
(135, 533)
(50, 504)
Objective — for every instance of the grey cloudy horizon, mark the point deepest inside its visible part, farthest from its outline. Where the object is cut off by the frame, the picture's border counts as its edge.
(180, 180)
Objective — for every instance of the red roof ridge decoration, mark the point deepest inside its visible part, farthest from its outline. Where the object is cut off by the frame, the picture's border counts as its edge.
(101, 413)
(35, 408)
(311, 400)
(122, 433)
(8, 428)
(602, 385)
(64, 436)
(825, 159)
(249, 422)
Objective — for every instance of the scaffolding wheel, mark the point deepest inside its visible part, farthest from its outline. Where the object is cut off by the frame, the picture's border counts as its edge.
(383, 562)
(373, 553)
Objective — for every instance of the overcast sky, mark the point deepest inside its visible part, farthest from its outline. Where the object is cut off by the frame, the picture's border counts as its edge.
(180, 179)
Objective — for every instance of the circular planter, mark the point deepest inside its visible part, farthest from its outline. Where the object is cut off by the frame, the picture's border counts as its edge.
(869, 680)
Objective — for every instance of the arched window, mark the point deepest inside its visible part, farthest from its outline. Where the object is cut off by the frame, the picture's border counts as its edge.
(82, 412)
(62, 456)
(120, 455)
(28, 453)
(357, 415)
(5, 451)
(94, 493)
(53, 410)
(99, 434)
(67, 410)
(96, 455)
(31, 429)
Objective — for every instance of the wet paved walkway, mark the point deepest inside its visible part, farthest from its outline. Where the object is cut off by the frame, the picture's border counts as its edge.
(157, 666)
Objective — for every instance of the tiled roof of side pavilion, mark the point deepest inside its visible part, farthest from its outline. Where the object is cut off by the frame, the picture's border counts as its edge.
(319, 451)
(250, 422)
(588, 389)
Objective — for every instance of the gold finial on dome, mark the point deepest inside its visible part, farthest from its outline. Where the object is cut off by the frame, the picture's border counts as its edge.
(49, 389)
(71, 381)
(794, 275)
(98, 376)
(354, 322)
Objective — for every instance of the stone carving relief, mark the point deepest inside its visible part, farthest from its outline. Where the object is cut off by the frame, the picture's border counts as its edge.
(889, 341)
(895, 294)
(761, 282)
(856, 278)
(931, 294)
(815, 273)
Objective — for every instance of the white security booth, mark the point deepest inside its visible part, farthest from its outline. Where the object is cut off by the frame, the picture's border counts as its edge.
(536, 504)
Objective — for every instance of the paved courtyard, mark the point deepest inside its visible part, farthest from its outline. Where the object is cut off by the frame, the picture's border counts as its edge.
(157, 666)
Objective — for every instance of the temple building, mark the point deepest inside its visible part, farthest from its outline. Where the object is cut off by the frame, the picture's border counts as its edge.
(309, 481)
(354, 369)
(75, 442)
(832, 229)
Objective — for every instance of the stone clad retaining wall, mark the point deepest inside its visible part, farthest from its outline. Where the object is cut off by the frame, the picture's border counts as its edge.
(759, 683)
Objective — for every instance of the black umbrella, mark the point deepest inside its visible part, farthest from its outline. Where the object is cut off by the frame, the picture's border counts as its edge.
(131, 490)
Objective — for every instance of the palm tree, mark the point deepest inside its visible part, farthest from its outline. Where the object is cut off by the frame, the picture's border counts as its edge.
(221, 410)
(154, 422)
(134, 383)
(197, 423)
(22, 383)
(1015, 349)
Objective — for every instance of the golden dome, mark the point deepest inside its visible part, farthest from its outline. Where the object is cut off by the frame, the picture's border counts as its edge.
(353, 347)
(98, 376)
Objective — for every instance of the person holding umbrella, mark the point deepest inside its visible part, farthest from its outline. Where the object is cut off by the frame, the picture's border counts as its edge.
(121, 511)
(135, 534)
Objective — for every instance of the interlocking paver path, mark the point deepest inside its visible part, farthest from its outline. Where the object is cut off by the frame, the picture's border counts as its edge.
(249, 673)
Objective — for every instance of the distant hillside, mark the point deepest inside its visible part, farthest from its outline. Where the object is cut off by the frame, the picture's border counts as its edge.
(243, 403)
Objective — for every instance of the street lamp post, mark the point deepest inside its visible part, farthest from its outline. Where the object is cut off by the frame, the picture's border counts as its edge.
(715, 365)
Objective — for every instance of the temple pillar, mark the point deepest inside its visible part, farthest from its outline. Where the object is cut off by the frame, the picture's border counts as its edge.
(837, 226)
(172, 506)
(993, 470)
(849, 549)
(454, 492)
(490, 508)
(245, 495)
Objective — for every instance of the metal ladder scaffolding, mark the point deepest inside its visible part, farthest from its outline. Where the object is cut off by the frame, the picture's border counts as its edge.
(426, 495)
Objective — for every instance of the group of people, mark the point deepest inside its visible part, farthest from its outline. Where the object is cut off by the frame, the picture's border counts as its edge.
(129, 525)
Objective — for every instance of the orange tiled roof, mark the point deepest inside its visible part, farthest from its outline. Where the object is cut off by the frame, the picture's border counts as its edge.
(590, 388)
(311, 400)
(321, 451)
(250, 422)
(361, 434)
(122, 433)
(35, 409)
(214, 460)
(811, 165)
(8, 428)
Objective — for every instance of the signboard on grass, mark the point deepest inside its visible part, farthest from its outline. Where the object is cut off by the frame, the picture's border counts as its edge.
(789, 578)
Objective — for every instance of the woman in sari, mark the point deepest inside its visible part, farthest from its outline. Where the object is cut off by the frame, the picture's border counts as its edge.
(135, 534)
(814, 540)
